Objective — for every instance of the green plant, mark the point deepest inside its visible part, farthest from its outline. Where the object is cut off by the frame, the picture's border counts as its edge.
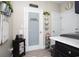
(9, 4)
(46, 13)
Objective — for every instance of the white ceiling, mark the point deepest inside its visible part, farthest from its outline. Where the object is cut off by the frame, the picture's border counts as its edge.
(58, 2)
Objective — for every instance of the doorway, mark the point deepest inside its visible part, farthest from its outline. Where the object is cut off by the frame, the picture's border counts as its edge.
(33, 28)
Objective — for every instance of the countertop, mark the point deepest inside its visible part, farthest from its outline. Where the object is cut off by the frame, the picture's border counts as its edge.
(68, 41)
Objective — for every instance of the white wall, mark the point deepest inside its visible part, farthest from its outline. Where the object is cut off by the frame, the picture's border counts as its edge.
(64, 21)
(18, 14)
(56, 23)
(69, 19)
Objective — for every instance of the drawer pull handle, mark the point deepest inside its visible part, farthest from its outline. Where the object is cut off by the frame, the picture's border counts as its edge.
(69, 52)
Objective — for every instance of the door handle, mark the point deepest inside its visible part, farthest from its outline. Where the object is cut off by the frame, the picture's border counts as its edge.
(69, 52)
(53, 31)
(40, 32)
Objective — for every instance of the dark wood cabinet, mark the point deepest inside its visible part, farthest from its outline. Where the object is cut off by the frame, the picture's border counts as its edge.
(64, 50)
(19, 47)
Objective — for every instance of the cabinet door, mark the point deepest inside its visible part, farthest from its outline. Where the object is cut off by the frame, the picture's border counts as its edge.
(67, 50)
(21, 47)
(73, 52)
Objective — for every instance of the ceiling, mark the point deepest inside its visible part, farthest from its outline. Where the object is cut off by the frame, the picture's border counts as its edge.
(59, 2)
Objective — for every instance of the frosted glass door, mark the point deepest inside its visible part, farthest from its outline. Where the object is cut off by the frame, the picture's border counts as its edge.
(0, 29)
(33, 29)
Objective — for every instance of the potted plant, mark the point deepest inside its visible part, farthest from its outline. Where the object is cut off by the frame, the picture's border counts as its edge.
(3, 7)
(9, 4)
(46, 13)
(4, 4)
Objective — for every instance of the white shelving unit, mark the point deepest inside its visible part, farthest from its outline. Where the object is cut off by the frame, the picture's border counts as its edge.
(47, 30)
(4, 29)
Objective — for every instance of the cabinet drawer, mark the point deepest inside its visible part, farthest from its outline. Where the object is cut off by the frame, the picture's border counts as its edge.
(70, 52)
(67, 49)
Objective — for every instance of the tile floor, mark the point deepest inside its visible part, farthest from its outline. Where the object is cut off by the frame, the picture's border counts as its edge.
(38, 53)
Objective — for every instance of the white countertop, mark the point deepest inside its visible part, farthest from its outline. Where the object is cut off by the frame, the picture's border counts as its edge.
(69, 41)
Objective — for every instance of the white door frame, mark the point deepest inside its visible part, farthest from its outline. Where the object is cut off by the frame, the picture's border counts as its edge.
(41, 42)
